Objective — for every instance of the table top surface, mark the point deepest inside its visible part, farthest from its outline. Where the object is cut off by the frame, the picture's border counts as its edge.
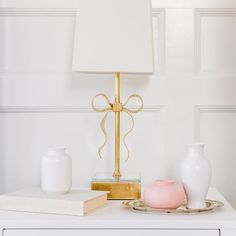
(114, 215)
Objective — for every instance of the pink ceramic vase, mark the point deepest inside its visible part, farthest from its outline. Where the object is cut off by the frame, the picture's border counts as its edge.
(164, 194)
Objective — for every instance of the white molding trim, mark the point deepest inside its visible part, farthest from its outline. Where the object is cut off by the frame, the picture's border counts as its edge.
(215, 11)
(160, 63)
(208, 108)
(70, 12)
(38, 12)
(158, 11)
(61, 109)
(198, 14)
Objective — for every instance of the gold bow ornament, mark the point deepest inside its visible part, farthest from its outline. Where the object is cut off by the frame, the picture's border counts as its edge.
(116, 107)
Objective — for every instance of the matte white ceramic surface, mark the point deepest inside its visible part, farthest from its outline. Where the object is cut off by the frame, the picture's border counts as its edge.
(196, 176)
(56, 171)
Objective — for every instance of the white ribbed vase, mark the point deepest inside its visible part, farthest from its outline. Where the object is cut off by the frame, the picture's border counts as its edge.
(56, 171)
(196, 176)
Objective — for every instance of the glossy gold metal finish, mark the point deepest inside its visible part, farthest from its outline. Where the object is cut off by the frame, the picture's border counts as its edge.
(116, 107)
(117, 172)
(119, 190)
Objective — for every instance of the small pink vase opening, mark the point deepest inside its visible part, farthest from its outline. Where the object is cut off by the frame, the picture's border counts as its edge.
(164, 194)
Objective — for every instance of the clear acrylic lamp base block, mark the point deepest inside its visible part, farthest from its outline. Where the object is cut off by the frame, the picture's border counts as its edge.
(128, 186)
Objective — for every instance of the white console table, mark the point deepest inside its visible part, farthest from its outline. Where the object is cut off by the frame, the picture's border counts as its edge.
(115, 220)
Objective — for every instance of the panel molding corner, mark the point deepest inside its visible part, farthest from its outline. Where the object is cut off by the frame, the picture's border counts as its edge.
(199, 13)
(199, 109)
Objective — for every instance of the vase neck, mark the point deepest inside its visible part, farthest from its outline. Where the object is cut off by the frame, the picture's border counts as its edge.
(57, 151)
(196, 149)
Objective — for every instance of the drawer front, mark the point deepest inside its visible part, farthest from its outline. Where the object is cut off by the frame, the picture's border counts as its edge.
(108, 232)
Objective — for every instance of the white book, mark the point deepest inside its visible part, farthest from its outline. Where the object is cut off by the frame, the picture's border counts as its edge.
(76, 202)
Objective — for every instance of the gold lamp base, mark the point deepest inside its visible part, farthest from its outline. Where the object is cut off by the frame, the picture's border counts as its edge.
(125, 187)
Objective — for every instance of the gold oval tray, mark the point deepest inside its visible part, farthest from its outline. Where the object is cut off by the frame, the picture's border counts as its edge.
(138, 205)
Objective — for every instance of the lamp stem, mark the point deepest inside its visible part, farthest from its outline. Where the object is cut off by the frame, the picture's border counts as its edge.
(117, 173)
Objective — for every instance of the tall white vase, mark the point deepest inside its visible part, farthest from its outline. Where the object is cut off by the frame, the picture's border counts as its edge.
(196, 176)
(56, 171)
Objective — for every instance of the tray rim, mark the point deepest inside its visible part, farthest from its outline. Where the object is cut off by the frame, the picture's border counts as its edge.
(214, 204)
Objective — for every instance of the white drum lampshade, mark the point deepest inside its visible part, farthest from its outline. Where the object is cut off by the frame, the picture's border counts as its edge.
(113, 36)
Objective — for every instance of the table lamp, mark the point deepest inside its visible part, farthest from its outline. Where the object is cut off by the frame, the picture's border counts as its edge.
(114, 36)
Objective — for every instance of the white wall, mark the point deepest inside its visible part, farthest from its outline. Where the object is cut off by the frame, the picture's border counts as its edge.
(190, 98)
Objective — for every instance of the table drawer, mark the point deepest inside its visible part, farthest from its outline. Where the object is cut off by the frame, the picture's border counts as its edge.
(107, 232)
